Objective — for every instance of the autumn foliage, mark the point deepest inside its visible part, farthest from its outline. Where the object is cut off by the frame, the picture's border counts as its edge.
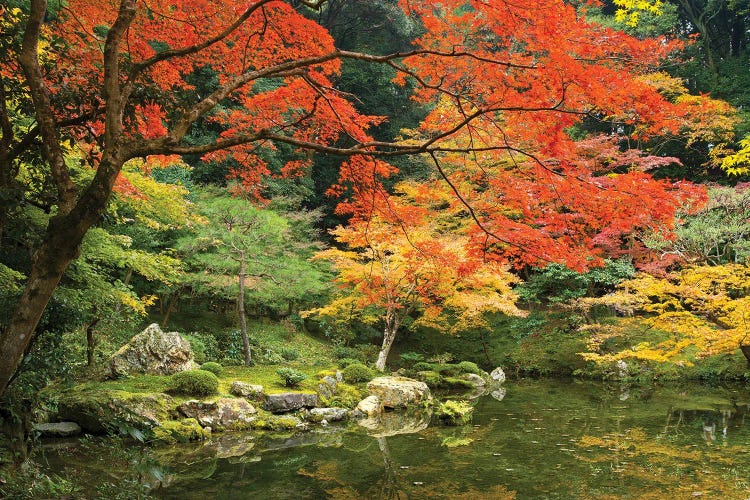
(506, 82)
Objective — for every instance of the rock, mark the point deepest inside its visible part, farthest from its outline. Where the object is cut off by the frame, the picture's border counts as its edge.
(154, 352)
(475, 380)
(100, 411)
(498, 394)
(622, 369)
(327, 415)
(339, 377)
(393, 423)
(327, 387)
(399, 392)
(368, 407)
(222, 414)
(59, 429)
(289, 401)
(498, 375)
(245, 390)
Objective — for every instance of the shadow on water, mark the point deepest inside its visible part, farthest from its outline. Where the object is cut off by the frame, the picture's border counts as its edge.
(543, 439)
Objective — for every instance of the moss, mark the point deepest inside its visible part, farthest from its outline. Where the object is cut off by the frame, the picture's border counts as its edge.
(455, 412)
(276, 423)
(194, 383)
(347, 396)
(101, 411)
(469, 367)
(183, 431)
(357, 372)
(431, 378)
(212, 367)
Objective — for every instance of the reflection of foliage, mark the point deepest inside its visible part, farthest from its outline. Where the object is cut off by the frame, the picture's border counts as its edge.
(667, 469)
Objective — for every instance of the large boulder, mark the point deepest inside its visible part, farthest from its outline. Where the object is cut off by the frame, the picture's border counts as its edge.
(99, 411)
(58, 429)
(368, 408)
(153, 352)
(399, 392)
(219, 415)
(289, 401)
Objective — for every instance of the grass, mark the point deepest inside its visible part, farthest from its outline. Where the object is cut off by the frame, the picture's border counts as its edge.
(264, 375)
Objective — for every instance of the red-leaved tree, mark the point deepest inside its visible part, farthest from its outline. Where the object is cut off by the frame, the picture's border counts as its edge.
(506, 80)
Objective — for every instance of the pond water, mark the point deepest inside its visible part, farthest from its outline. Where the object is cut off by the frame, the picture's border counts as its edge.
(544, 439)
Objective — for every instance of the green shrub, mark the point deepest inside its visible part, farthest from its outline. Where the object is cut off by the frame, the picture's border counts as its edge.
(204, 345)
(455, 412)
(347, 396)
(446, 369)
(343, 363)
(290, 376)
(212, 367)
(412, 357)
(469, 367)
(422, 367)
(347, 352)
(289, 354)
(194, 383)
(432, 379)
(357, 373)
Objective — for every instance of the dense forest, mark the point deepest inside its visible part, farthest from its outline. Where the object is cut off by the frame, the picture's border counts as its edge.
(555, 187)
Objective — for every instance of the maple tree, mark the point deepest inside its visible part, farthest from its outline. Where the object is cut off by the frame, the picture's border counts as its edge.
(506, 81)
(703, 309)
(399, 263)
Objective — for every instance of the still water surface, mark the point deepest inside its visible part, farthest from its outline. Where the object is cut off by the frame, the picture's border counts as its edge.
(544, 439)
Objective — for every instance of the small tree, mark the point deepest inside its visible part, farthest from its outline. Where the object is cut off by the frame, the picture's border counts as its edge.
(241, 245)
(392, 271)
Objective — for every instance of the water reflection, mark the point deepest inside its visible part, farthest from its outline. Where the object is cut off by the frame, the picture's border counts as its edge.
(543, 439)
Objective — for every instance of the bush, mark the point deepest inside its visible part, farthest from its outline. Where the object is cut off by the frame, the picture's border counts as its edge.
(347, 396)
(194, 383)
(447, 369)
(412, 357)
(357, 373)
(289, 354)
(212, 367)
(204, 346)
(347, 353)
(343, 363)
(422, 367)
(469, 367)
(290, 376)
(455, 412)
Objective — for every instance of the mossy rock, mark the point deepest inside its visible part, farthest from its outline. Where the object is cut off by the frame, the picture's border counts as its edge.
(183, 431)
(277, 423)
(101, 411)
(431, 378)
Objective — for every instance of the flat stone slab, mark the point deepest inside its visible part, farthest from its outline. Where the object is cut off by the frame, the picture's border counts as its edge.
(58, 429)
(328, 414)
(245, 390)
(289, 401)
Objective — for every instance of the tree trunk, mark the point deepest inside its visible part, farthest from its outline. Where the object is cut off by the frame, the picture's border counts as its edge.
(90, 342)
(170, 307)
(241, 311)
(389, 335)
(59, 248)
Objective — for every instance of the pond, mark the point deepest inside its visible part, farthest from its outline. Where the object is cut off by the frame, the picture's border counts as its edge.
(544, 439)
